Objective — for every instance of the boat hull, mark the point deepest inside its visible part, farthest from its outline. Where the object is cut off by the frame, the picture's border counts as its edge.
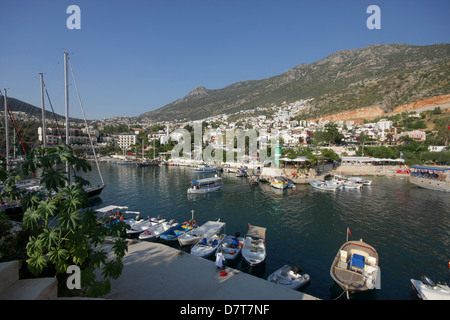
(355, 267)
(430, 183)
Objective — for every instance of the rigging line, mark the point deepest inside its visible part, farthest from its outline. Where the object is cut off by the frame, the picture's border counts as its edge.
(53, 112)
(84, 116)
(17, 129)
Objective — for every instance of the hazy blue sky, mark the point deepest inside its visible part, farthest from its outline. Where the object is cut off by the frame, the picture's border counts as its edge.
(134, 56)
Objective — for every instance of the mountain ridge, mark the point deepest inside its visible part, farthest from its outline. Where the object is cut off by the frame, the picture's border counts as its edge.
(387, 75)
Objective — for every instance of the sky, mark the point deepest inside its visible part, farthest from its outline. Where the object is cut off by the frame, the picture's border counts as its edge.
(134, 56)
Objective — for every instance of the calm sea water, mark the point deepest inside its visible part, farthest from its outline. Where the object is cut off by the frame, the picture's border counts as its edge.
(409, 226)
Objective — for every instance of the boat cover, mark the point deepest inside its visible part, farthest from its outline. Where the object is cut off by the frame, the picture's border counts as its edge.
(109, 208)
(430, 168)
(206, 180)
(358, 261)
(256, 232)
(209, 228)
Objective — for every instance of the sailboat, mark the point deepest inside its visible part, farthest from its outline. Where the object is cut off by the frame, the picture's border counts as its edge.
(93, 191)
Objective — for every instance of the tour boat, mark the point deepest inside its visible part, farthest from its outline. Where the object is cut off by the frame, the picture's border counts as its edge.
(203, 168)
(434, 178)
(289, 277)
(254, 246)
(205, 185)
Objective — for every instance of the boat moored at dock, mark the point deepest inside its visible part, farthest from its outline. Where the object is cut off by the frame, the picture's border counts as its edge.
(434, 178)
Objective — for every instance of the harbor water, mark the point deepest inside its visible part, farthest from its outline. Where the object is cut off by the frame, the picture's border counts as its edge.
(409, 226)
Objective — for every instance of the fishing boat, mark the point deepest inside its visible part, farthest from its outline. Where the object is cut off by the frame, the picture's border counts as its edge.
(207, 229)
(154, 232)
(254, 245)
(144, 224)
(205, 185)
(323, 185)
(427, 289)
(355, 267)
(278, 182)
(289, 277)
(434, 178)
(207, 245)
(231, 246)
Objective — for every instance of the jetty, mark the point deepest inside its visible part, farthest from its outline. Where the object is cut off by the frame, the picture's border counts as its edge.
(154, 271)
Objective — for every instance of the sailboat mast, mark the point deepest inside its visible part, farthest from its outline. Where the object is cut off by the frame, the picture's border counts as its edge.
(44, 130)
(66, 79)
(6, 132)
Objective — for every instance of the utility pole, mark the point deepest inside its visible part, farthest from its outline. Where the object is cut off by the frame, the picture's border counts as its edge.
(6, 132)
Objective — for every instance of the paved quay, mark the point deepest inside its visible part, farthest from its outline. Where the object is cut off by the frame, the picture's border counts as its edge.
(154, 271)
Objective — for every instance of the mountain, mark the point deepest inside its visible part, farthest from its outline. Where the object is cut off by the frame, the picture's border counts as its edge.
(384, 75)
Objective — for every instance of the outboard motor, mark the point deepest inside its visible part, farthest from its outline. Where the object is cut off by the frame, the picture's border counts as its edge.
(428, 281)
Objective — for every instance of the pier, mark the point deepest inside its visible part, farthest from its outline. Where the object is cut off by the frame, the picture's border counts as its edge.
(154, 271)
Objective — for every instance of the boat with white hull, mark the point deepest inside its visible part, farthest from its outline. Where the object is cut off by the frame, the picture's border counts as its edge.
(427, 289)
(289, 277)
(205, 185)
(154, 232)
(194, 235)
(434, 178)
(254, 246)
(355, 267)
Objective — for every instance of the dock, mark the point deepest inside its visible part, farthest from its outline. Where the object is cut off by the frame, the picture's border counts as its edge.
(154, 271)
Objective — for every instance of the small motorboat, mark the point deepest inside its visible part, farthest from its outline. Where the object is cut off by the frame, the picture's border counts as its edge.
(143, 225)
(427, 289)
(207, 246)
(154, 232)
(254, 246)
(323, 185)
(231, 246)
(207, 229)
(352, 185)
(174, 232)
(289, 277)
(254, 180)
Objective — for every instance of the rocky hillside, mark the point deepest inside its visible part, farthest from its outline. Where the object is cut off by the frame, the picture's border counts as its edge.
(384, 76)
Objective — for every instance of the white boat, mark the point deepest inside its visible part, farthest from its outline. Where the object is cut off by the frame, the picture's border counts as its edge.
(207, 245)
(278, 182)
(352, 185)
(113, 213)
(231, 246)
(154, 232)
(289, 277)
(355, 267)
(427, 289)
(204, 168)
(194, 235)
(241, 172)
(360, 180)
(434, 178)
(205, 185)
(143, 225)
(324, 185)
(254, 246)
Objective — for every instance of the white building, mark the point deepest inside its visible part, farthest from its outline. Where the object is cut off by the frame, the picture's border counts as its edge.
(126, 140)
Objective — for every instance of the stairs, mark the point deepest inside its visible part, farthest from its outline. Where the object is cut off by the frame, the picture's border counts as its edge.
(11, 288)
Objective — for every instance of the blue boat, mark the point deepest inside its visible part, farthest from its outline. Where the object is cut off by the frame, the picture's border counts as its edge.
(174, 232)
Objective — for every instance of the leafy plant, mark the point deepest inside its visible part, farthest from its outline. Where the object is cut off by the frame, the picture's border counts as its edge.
(64, 231)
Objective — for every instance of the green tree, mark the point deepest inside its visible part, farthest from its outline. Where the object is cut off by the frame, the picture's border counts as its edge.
(63, 231)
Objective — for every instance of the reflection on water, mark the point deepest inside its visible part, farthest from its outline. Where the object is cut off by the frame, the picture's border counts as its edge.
(407, 225)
